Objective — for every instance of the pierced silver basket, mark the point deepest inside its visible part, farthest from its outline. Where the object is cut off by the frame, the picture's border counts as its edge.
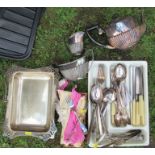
(74, 70)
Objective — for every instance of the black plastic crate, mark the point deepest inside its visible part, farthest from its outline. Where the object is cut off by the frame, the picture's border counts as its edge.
(17, 31)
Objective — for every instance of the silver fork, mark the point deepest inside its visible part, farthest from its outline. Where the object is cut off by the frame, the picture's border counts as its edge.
(71, 105)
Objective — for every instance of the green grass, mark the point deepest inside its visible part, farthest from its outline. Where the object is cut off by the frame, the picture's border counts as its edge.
(55, 26)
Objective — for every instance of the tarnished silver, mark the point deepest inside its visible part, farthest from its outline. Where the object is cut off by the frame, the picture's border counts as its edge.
(74, 70)
(96, 96)
(109, 95)
(121, 117)
(31, 102)
(138, 85)
(121, 138)
(121, 33)
(75, 43)
(100, 74)
(118, 74)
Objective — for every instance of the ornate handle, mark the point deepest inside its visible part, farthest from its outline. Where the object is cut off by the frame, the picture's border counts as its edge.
(93, 40)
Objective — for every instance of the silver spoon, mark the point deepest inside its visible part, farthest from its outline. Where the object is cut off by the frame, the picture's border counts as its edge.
(109, 96)
(96, 97)
(100, 81)
(119, 74)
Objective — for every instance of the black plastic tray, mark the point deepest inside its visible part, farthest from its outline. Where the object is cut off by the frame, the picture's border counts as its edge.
(17, 31)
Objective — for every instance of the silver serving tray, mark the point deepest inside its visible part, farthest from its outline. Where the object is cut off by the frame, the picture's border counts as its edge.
(31, 97)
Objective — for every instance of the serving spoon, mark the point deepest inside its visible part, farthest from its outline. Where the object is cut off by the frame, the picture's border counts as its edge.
(96, 97)
(121, 118)
(109, 96)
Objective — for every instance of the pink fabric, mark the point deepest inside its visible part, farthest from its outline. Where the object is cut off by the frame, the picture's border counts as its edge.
(73, 133)
(75, 96)
(63, 84)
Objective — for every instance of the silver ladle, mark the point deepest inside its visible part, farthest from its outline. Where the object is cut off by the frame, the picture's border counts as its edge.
(109, 96)
(96, 96)
(119, 74)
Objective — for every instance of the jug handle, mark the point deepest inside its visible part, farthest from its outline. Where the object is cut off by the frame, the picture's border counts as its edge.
(142, 16)
(93, 40)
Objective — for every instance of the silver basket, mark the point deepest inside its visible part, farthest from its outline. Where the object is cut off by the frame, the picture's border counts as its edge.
(74, 70)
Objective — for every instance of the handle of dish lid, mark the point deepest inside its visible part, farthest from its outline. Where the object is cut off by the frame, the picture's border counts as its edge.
(57, 70)
(7, 76)
(88, 30)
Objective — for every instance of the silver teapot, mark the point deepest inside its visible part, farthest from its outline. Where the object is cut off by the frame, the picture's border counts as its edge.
(121, 33)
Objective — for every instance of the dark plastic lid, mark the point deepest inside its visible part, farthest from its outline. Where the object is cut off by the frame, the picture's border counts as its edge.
(17, 31)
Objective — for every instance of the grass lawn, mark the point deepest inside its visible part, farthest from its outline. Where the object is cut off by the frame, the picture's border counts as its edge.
(57, 24)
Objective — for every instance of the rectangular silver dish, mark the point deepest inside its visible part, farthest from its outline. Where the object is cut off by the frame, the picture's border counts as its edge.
(31, 97)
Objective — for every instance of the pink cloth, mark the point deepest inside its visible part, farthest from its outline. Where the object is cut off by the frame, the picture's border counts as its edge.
(75, 96)
(73, 133)
(63, 84)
